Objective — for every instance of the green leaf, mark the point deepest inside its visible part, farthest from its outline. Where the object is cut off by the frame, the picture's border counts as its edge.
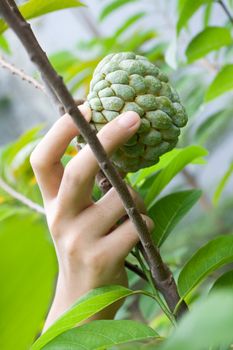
(210, 39)
(138, 39)
(62, 60)
(11, 151)
(4, 44)
(114, 5)
(93, 302)
(212, 124)
(187, 10)
(169, 210)
(165, 159)
(223, 282)
(224, 180)
(35, 8)
(107, 333)
(222, 83)
(207, 14)
(183, 158)
(27, 272)
(128, 23)
(208, 325)
(207, 259)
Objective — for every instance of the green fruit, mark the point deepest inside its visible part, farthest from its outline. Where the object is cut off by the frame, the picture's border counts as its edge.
(129, 82)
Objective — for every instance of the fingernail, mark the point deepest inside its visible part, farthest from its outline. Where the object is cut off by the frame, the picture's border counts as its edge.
(128, 119)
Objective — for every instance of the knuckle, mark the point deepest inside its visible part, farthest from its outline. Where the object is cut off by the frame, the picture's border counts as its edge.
(71, 248)
(95, 259)
(71, 174)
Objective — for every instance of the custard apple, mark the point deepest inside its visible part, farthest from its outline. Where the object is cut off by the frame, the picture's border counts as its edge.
(129, 82)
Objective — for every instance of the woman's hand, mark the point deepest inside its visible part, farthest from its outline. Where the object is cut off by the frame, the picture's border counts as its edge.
(90, 250)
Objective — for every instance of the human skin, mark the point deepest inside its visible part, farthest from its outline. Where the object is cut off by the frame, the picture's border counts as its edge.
(90, 248)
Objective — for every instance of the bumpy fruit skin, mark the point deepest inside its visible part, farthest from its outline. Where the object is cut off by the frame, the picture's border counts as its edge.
(129, 82)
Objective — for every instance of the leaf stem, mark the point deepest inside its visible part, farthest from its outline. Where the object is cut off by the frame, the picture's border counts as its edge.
(155, 295)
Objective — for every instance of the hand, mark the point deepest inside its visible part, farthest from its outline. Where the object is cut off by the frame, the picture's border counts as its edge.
(90, 249)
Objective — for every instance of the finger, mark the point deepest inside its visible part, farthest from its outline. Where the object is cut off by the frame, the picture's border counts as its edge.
(46, 157)
(125, 237)
(109, 209)
(79, 174)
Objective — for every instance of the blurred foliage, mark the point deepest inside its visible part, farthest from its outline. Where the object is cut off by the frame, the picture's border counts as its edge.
(196, 244)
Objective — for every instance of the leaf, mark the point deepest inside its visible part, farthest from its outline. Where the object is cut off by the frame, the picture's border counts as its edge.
(28, 269)
(223, 282)
(4, 44)
(211, 124)
(113, 6)
(224, 180)
(210, 39)
(138, 39)
(208, 325)
(35, 8)
(62, 60)
(187, 10)
(207, 259)
(222, 83)
(207, 14)
(186, 156)
(107, 333)
(171, 54)
(165, 159)
(128, 23)
(169, 210)
(93, 302)
(10, 152)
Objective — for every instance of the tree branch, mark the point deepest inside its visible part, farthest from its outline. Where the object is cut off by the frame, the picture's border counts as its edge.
(160, 272)
(226, 10)
(21, 198)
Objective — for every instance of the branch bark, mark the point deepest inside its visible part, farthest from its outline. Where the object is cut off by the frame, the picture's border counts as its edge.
(160, 272)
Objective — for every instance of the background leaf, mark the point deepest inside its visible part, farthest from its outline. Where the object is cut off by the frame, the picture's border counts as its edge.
(207, 326)
(207, 259)
(107, 333)
(223, 282)
(35, 8)
(169, 210)
(187, 9)
(183, 158)
(210, 39)
(114, 5)
(222, 184)
(27, 273)
(222, 83)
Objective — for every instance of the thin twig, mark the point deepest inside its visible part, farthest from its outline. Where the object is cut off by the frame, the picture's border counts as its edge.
(21, 198)
(21, 74)
(136, 269)
(226, 10)
(159, 270)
